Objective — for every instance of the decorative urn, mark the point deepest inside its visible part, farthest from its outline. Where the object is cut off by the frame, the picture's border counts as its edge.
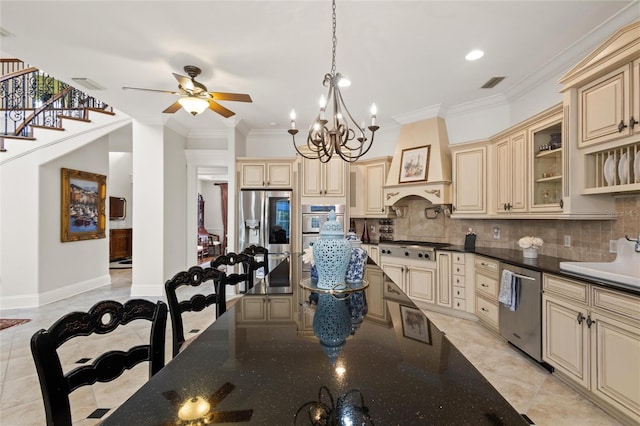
(331, 254)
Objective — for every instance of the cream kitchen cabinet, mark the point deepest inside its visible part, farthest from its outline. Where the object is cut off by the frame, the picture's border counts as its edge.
(487, 288)
(261, 174)
(375, 175)
(376, 304)
(604, 92)
(469, 179)
(591, 336)
(417, 282)
(511, 173)
(444, 281)
(324, 179)
(267, 308)
(367, 194)
(373, 252)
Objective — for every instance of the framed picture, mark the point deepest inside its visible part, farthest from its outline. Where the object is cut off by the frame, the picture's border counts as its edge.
(415, 164)
(83, 205)
(415, 325)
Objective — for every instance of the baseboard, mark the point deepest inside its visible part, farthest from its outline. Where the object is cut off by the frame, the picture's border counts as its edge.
(37, 300)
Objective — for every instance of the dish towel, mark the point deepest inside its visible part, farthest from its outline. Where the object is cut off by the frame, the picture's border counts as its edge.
(509, 290)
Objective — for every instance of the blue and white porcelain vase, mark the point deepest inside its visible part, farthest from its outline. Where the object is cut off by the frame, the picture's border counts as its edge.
(355, 270)
(332, 324)
(331, 254)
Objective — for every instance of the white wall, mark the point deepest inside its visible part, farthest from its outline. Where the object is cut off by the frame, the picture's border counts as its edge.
(35, 267)
(75, 262)
(119, 184)
(212, 207)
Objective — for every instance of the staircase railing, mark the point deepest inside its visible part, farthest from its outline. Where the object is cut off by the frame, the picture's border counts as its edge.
(31, 98)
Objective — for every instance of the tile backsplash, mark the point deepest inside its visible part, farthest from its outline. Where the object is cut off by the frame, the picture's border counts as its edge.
(589, 238)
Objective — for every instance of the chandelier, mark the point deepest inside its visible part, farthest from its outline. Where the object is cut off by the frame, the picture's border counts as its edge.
(338, 133)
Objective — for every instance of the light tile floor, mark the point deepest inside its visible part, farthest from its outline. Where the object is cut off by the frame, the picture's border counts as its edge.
(526, 385)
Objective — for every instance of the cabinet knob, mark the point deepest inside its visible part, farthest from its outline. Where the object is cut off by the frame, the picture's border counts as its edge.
(621, 126)
(590, 321)
(632, 122)
(580, 318)
(484, 309)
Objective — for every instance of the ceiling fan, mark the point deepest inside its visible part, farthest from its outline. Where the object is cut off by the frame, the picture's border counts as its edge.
(194, 95)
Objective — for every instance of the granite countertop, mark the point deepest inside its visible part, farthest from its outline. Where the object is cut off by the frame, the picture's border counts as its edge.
(544, 264)
(395, 367)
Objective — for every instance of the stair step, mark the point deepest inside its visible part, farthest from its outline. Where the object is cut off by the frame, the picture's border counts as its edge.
(68, 117)
(36, 126)
(25, 138)
(102, 111)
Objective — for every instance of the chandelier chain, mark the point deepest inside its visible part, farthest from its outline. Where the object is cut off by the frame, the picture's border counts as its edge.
(334, 39)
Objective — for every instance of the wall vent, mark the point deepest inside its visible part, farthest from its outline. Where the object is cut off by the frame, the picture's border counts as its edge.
(492, 82)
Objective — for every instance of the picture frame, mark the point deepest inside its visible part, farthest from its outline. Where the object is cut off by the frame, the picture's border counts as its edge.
(83, 196)
(415, 325)
(414, 165)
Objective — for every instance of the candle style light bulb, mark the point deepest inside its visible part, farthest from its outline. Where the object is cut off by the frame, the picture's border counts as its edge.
(374, 111)
(362, 127)
(323, 105)
(292, 116)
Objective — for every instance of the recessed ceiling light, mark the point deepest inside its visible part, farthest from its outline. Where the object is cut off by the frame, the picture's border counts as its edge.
(474, 54)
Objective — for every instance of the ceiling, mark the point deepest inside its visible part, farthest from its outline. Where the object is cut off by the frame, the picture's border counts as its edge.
(407, 56)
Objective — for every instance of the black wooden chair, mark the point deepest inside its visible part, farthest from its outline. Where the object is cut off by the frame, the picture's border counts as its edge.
(209, 294)
(227, 264)
(104, 317)
(253, 268)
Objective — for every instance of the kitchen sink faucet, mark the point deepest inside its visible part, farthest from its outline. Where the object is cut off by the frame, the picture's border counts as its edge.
(637, 241)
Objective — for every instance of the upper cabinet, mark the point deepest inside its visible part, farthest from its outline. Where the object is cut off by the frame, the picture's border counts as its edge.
(266, 173)
(324, 179)
(602, 94)
(511, 175)
(529, 174)
(469, 179)
(546, 165)
(367, 194)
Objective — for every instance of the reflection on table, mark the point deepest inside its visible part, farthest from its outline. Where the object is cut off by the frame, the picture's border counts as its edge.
(266, 362)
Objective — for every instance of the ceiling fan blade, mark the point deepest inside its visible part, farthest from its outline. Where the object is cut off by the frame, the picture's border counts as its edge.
(152, 90)
(239, 97)
(172, 108)
(185, 82)
(214, 106)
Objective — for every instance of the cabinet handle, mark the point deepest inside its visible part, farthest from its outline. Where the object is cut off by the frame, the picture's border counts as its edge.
(484, 285)
(391, 290)
(561, 203)
(590, 321)
(484, 309)
(580, 318)
(621, 126)
(632, 122)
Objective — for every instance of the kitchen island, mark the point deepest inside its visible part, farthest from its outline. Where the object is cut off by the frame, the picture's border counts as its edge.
(394, 369)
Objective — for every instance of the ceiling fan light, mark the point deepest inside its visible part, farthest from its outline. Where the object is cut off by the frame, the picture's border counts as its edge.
(193, 105)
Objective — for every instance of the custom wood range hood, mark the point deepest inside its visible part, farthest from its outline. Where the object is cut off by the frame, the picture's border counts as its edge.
(431, 132)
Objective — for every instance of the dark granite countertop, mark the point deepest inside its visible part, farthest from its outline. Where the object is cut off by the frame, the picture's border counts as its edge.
(544, 264)
(397, 367)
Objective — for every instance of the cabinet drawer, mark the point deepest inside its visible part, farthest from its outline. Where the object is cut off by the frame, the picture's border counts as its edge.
(458, 268)
(458, 281)
(487, 286)
(619, 303)
(459, 304)
(459, 292)
(489, 265)
(573, 290)
(487, 311)
(458, 258)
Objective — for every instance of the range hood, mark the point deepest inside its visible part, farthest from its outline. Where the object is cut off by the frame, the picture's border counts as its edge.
(431, 132)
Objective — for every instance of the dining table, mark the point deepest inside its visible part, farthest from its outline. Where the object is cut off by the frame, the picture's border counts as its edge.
(285, 353)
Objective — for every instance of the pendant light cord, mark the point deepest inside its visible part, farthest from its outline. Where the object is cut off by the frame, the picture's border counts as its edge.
(334, 40)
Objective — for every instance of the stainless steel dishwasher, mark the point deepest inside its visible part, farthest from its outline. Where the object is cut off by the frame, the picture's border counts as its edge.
(523, 327)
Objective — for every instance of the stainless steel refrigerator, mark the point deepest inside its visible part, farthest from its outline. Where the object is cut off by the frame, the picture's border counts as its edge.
(265, 220)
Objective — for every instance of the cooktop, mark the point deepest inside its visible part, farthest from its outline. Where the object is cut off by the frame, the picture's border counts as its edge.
(416, 243)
